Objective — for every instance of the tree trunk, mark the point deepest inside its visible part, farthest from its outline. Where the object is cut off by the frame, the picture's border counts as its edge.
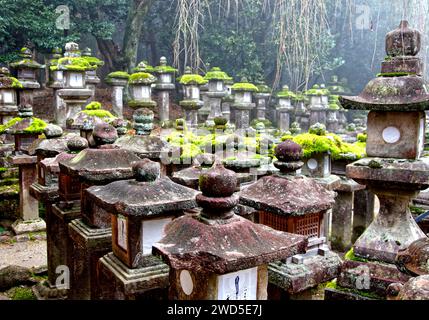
(111, 55)
(133, 30)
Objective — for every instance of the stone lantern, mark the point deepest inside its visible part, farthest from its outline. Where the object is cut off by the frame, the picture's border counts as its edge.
(74, 93)
(91, 78)
(261, 99)
(216, 78)
(332, 121)
(243, 102)
(140, 85)
(56, 82)
(393, 170)
(164, 86)
(227, 101)
(301, 112)
(90, 236)
(284, 108)
(217, 255)
(8, 97)
(290, 202)
(118, 80)
(191, 102)
(147, 204)
(145, 145)
(26, 69)
(318, 104)
(26, 130)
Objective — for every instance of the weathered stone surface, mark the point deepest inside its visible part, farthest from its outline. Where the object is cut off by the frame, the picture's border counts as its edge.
(49, 148)
(104, 133)
(151, 147)
(134, 198)
(415, 289)
(414, 260)
(20, 227)
(291, 195)
(53, 131)
(101, 165)
(12, 276)
(403, 41)
(295, 278)
(224, 246)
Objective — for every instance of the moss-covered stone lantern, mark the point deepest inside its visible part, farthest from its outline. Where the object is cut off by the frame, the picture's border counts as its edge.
(191, 102)
(26, 69)
(318, 104)
(243, 102)
(393, 170)
(140, 84)
(164, 86)
(261, 99)
(75, 94)
(216, 78)
(290, 202)
(91, 78)
(284, 108)
(8, 97)
(56, 82)
(118, 80)
(301, 113)
(217, 255)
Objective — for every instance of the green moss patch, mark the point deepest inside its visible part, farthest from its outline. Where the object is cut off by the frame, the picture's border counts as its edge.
(95, 105)
(196, 79)
(73, 64)
(99, 113)
(244, 86)
(317, 91)
(93, 61)
(395, 74)
(21, 293)
(217, 74)
(10, 83)
(37, 126)
(118, 75)
(141, 78)
(164, 69)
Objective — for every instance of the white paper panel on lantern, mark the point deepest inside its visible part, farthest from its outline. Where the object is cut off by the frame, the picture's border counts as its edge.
(122, 232)
(76, 80)
(240, 285)
(7, 97)
(421, 140)
(247, 97)
(153, 231)
(326, 165)
(165, 78)
(59, 75)
(195, 93)
(219, 86)
(145, 92)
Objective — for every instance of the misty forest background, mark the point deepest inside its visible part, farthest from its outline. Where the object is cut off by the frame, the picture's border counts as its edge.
(294, 42)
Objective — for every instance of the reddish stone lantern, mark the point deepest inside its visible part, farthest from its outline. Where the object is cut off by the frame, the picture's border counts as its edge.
(147, 204)
(217, 255)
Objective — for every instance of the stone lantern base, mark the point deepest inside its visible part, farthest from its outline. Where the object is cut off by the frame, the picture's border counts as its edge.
(118, 282)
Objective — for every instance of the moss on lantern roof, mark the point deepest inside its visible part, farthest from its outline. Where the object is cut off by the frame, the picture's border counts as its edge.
(188, 79)
(164, 69)
(143, 67)
(286, 93)
(72, 64)
(10, 83)
(314, 144)
(317, 91)
(263, 88)
(299, 96)
(141, 77)
(93, 61)
(27, 63)
(395, 74)
(334, 102)
(216, 73)
(36, 126)
(362, 137)
(100, 113)
(118, 74)
(244, 86)
(95, 105)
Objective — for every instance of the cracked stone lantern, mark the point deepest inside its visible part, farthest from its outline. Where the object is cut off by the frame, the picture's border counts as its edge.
(91, 78)
(165, 85)
(394, 171)
(145, 145)
(216, 78)
(191, 102)
(243, 102)
(118, 80)
(140, 86)
(284, 108)
(261, 99)
(217, 255)
(26, 69)
(318, 104)
(291, 202)
(140, 209)
(8, 95)
(75, 94)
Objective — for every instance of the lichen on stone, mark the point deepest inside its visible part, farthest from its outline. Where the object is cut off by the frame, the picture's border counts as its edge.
(141, 78)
